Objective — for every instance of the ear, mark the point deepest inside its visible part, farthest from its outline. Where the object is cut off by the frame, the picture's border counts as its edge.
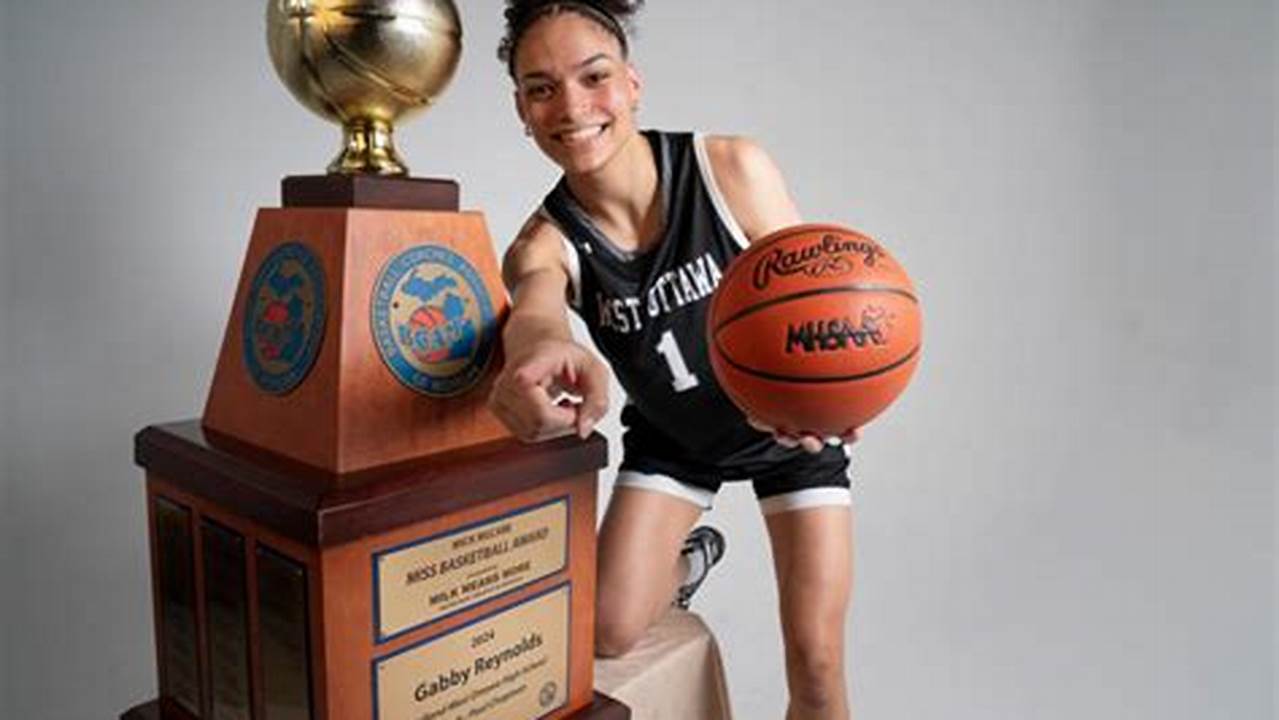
(636, 80)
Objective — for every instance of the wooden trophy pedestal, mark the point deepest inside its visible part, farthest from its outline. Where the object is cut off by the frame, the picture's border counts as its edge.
(461, 585)
(315, 363)
(370, 191)
(602, 708)
(348, 533)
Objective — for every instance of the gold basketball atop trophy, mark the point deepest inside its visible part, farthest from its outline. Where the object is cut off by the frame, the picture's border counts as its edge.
(365, 64)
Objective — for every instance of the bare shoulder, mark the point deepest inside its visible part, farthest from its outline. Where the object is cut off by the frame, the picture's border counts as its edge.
(733, 156)
(537, 247)
(752, 184)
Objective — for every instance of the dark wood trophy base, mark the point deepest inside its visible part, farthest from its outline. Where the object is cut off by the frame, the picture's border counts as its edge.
(602, 708)
(354, 545)
(370, 191)
(465, 578)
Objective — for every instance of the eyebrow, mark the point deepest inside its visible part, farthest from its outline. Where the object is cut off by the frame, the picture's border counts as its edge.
(540, 75)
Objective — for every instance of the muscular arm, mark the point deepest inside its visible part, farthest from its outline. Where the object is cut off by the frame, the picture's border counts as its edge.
(534, 273)
(752, 185)
(756, 195)
(542, 358)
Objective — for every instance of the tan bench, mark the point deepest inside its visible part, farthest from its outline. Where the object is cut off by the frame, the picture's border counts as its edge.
(675, 673)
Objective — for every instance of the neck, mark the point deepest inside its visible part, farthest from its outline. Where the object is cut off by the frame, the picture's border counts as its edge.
(623, 195)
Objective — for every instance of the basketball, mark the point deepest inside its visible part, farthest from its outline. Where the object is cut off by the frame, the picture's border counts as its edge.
(814, 329)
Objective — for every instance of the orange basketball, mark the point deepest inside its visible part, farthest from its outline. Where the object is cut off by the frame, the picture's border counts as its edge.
(814, 328)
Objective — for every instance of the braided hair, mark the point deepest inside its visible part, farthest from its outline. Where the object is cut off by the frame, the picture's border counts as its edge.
(612, 15)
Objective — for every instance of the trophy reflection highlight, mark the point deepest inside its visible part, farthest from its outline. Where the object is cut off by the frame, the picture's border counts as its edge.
(365, 65)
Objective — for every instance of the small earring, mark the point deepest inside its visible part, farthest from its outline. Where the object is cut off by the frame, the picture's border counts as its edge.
(528, 131)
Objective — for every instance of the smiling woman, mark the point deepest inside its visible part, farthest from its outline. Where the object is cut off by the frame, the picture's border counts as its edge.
(577, 101)
(634, 237)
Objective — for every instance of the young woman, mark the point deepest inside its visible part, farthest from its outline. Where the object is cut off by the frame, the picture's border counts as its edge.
(633, 238)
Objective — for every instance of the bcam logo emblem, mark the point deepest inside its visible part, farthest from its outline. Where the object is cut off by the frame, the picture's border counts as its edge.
(433, 321)
(284, 318)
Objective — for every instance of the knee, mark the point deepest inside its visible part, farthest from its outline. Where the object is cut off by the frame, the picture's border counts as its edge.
(815, 662)
(616, 635)
(620, 621)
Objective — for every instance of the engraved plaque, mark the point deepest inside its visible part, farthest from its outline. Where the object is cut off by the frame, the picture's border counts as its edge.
(226, 610)
(179, 644)
(283, 637)
(428, 579)
(511, 665)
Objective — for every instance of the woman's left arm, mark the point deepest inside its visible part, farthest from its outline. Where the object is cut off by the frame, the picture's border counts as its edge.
(752, 186)
(756, 195)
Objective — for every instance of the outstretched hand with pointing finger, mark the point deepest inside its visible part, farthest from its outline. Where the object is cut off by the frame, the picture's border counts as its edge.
(552, 388)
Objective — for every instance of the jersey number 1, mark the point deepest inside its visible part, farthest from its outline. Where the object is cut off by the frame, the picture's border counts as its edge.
(684, 380)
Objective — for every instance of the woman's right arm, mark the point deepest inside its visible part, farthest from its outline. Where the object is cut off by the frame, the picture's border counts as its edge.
(542, 360)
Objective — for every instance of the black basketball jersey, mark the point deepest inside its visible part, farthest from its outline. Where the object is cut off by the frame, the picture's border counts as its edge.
(647, 311)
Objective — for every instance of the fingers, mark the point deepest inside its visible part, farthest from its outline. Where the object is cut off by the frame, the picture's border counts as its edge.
(593, 385)
(810, 442)
(786, 441)
(556, 389)
(781, 437)
(545, 370)
(528, 411)
(521, 399)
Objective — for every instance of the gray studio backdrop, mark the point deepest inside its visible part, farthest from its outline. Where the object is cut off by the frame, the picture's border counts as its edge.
(1070, 514)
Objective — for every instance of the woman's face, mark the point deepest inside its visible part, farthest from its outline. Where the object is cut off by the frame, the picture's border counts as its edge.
(575, 92)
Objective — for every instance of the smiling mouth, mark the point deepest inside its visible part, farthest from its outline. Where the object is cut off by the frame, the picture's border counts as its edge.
(580, 135)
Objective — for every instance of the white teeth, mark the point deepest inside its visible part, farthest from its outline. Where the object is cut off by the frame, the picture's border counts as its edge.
(584, 133)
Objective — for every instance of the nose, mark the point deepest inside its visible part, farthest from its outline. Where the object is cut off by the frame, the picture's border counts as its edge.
(572, 100)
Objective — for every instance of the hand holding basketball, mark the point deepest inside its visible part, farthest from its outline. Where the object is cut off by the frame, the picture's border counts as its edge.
(814, 330)
(809, 442)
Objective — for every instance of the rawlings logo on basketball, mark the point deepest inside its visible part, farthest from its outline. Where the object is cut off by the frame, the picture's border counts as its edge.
(839, 333)
(832, 255)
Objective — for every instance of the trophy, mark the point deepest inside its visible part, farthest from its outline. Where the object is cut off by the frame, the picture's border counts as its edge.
(365, 66)
(347, 533)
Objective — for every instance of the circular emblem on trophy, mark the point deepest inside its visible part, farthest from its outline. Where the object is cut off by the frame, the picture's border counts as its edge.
(284, 318)
(548, 694)
(433, 321)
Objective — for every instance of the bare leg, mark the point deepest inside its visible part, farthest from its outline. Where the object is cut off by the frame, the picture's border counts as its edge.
(812, 556)
(639, 564)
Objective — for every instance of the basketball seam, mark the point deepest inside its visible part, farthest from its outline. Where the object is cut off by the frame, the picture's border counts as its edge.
(359, 67)
(854, 287)
(816, 380)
